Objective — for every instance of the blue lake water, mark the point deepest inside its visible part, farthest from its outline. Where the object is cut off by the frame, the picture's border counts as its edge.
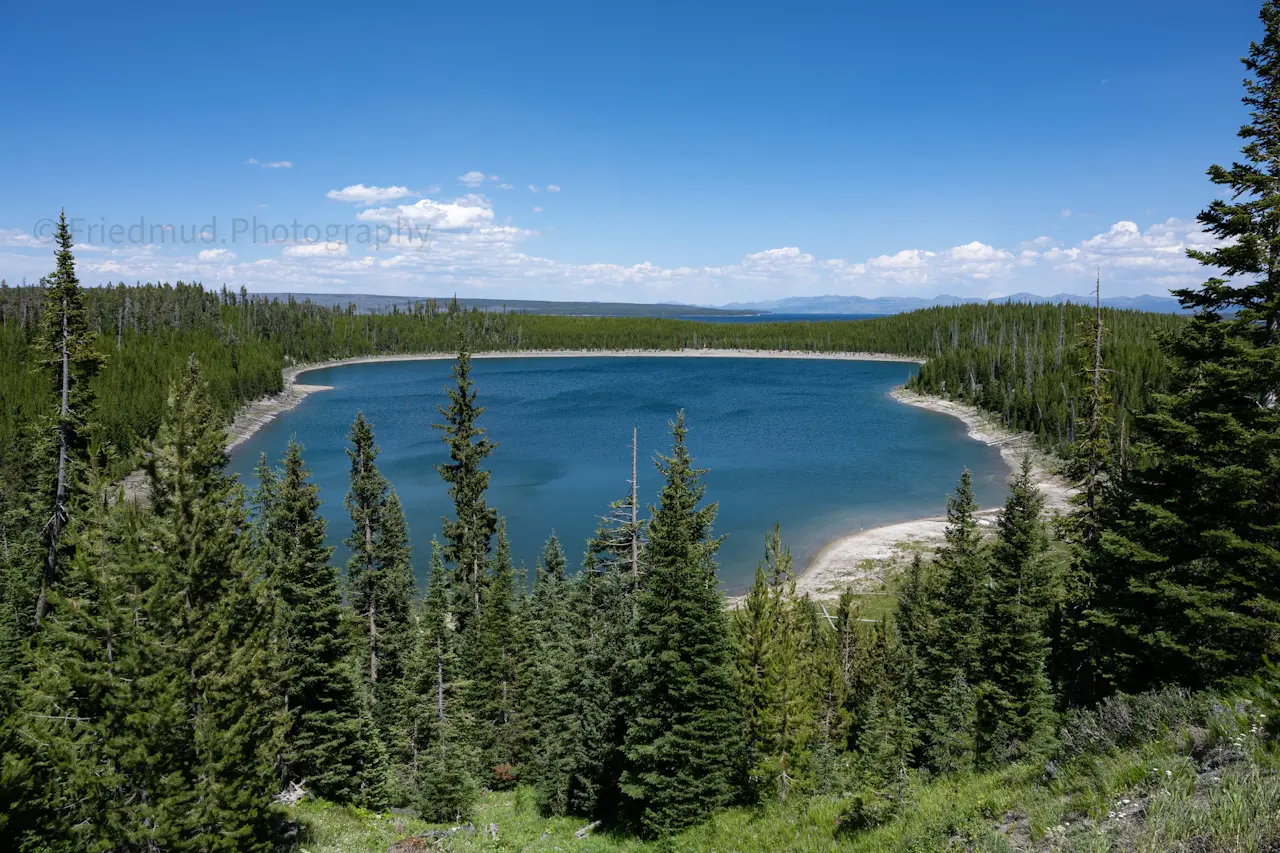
(817, 445)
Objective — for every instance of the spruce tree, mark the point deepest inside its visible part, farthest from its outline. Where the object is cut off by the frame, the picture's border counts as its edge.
(1015, 712)
(214, 616)
(68, 354)
(1077, 643)
(551, 693)
(326, 745)
(774, 667)
(439, 757)
(602, 599)
(1192, 593)
(952, 667)
(379, 576)
(497, 664)
(469, 534)
(683, 739)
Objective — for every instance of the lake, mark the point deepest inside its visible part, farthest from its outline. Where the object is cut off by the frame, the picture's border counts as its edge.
(817, 445)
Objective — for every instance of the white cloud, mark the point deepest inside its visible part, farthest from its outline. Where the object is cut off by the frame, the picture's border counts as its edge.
(504, 186)
(360, 194)
(271, 164)
(537, 210)
(532, 188)
(472, 178)
(433, 246)
(333, 249)
(553, 188)
(1066, 213)
(469, 211)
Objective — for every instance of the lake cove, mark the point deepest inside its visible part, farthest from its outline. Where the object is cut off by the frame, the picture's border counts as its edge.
(817, 445)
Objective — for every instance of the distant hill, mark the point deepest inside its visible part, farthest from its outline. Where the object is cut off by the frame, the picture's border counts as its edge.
(900, 304)
(383, 304)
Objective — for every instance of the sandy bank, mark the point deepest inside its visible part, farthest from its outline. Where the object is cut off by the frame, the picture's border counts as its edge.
(258, 413)
(863, 559)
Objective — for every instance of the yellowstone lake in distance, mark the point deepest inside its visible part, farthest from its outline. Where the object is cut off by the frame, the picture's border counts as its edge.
(817, 445)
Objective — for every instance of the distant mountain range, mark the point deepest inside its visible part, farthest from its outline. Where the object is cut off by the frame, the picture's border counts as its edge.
(900, 304)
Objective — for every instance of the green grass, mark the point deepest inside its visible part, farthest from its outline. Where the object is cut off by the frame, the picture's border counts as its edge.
(1157, 773)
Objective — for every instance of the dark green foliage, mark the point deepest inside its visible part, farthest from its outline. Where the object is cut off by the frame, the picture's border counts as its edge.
(434, 753)
(775, 667)
(467, 536)
(602, 598)
(683, 739)
(379, 578)
(552, 695)
(950, 667)
(1015, 709)
(70, 363)
(1191, 590)
(327, 744)
(498, 657)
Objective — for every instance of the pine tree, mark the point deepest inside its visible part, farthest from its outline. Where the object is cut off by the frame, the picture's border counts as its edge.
(951, 668)
(773, 668)
(497, 671)
(379, 577)
(468, 535)
(551, 692)
(220, 730)
(67, 351)
(437, 737)
(1193, 591)
(1078, 644)
(602, 599)
(326, 744)
(1015, 712)
(683, 739)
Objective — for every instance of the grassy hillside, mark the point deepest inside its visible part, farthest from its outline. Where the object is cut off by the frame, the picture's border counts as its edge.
(1156, 772)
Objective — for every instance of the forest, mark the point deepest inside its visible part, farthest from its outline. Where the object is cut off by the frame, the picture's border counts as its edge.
(175, 672)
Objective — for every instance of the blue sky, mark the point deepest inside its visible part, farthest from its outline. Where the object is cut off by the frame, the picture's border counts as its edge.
(702, 152)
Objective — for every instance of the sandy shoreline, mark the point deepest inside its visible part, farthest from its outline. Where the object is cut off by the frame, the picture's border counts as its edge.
(863, 559)
(859, 559)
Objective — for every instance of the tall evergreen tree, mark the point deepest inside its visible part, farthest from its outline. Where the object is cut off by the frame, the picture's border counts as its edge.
(497, 672)
(603, 603)
(327, 745)
(684, 739)
(67, 351)
(774, 669)
(1193, 590)
(952, 667)
(214, 616)
(438, 757)
(552, 694)
(1015, 712)
(469, 534)
(1078, 645)
(379, 576)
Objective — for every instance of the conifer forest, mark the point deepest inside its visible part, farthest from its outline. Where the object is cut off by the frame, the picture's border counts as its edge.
(189, 668)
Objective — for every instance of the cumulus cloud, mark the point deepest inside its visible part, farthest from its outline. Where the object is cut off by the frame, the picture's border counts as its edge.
(461, 246)
(271, 164)
(360, 194)
(532, 188)
(504, 186)
(537, 209)
(472, 178)
(553, 188)
(469, 211)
